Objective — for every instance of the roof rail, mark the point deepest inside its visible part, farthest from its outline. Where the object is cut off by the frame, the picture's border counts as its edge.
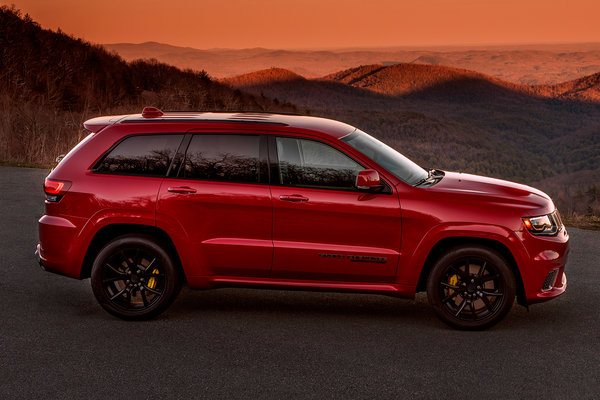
(234, 111)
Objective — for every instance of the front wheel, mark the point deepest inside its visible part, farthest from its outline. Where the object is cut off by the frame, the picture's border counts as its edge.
(134, 277)
(471, 287)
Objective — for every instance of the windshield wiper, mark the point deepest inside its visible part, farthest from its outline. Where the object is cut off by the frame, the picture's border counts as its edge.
(431, 177)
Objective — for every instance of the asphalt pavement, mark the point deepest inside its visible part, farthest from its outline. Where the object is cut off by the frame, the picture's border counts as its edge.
(56, 342)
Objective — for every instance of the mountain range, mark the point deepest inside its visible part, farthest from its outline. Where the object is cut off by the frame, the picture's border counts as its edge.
(528, 64)
(418, 80)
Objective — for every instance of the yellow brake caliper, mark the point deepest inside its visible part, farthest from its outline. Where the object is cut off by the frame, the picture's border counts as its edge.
(452, 280)
(152, 281)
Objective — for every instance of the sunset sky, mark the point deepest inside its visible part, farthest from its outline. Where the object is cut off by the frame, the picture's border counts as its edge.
(320, 23)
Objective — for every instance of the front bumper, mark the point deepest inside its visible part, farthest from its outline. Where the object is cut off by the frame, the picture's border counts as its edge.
(543, 270)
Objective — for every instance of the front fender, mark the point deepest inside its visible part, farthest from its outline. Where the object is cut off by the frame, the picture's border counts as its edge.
(413, 260)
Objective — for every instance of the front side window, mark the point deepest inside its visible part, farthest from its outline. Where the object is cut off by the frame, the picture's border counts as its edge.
(141, 155)
(229, 158)
(309, 163)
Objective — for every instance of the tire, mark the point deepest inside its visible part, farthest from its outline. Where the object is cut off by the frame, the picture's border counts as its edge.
(471, 287)
(135, 278)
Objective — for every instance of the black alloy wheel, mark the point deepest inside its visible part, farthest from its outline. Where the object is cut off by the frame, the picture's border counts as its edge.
(471, 287)
(134, 277)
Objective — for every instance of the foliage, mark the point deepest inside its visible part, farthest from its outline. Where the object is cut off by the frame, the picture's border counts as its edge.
(50, 83)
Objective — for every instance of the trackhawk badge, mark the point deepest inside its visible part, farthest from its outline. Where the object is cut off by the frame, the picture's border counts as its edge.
(355, 258)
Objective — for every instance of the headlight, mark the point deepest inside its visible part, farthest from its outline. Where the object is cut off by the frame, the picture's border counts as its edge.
(546, 225)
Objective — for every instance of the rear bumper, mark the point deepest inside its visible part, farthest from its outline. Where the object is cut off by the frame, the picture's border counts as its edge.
(38, 258)
(57, 251)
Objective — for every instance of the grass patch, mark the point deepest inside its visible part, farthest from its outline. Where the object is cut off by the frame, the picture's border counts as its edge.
(591, 223)
(25, 164)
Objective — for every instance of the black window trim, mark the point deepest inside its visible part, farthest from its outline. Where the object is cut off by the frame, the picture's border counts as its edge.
(95, 165)
(274, 169)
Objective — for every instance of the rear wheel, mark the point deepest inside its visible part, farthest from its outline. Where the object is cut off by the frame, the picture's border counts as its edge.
(471, 287)
(134, 277)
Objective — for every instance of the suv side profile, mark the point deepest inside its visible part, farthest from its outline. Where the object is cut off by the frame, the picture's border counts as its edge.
(147, 202)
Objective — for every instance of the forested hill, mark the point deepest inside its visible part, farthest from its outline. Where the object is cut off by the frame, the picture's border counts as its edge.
(546, 136)
(585, 89)
(51, 82)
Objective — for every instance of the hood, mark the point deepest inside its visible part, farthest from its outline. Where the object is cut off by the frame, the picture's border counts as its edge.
(491, 190)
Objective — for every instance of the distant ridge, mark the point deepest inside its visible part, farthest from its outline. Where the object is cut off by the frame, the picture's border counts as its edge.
(432, 59)
(583, 89)
(263, 77)
(411, 79)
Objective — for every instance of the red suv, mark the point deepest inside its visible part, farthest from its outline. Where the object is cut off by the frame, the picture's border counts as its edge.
(146, 202)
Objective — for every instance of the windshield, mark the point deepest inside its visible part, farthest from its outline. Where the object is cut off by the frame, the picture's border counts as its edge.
(388, 158)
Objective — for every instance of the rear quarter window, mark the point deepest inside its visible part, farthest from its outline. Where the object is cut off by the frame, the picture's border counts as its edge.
(140, 155)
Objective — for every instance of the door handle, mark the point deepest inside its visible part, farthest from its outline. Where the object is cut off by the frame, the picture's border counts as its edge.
(293, 197)
(181, 189)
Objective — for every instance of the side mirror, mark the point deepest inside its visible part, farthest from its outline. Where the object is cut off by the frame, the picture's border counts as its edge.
(368, 179)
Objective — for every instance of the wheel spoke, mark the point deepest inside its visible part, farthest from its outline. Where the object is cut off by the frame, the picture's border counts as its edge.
(489, 277)
(129, 264)
(454, 287)
(449, 297)
(152, 290)
(487, 303)
(136, 258)
(467, 272)
(480, 273)
(493, 294)
(116, 271)
(459, 271)
(473, 310)
(144, 299)
(462, 306)
(113, 279)
(149, 265)
(118, 294)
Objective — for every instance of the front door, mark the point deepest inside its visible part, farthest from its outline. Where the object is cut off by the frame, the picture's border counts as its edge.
(323, 227)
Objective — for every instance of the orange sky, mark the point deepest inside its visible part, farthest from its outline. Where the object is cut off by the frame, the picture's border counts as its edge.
(321, 23)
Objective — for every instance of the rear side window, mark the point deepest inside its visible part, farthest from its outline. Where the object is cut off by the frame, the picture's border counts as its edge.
(141, 155)
(314, 164)
(229, 158)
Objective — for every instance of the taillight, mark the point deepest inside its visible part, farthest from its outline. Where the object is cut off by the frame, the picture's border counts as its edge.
(55, 189)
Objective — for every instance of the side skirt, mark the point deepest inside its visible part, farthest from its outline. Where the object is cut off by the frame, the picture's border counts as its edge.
(391, 289)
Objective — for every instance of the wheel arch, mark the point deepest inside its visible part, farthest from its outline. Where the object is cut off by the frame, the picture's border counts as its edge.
(109, 232)
(448, 243)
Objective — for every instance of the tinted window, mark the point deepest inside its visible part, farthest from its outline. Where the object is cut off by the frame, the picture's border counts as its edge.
(315, 164)
(387, 157)
(233, 158)
(141, 155)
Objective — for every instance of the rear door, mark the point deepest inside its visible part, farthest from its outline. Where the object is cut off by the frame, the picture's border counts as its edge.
(219, 205)
(323, 227)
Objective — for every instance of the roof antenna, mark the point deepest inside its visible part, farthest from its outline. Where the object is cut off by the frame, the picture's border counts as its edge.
(151, 112)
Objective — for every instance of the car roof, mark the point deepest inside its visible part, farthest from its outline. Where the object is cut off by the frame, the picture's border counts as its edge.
(335, 129)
